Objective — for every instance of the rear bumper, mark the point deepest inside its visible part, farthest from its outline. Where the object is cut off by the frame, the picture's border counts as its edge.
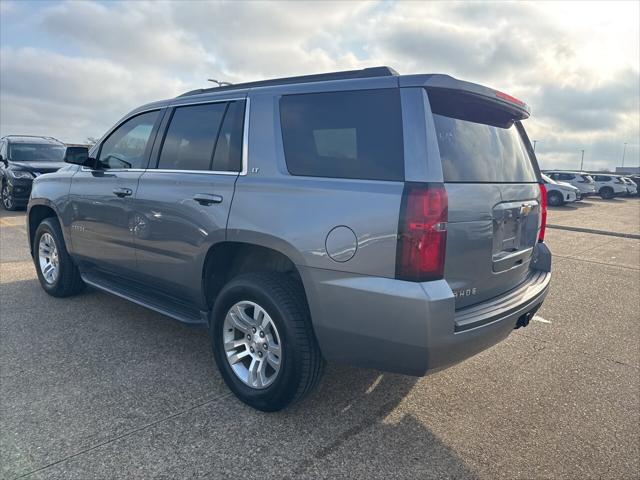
(413, 328)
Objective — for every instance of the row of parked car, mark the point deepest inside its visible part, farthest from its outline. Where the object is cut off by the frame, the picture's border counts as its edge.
(31, 156)
(569, 186)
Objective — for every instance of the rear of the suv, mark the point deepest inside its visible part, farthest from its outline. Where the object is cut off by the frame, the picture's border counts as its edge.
(414, 209)
(391, 222)
(632, 188)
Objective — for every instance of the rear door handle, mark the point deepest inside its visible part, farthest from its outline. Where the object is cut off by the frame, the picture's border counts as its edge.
(122, 192)
(207, 198)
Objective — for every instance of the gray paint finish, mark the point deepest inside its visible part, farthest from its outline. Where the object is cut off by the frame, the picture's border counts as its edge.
(160, 235)
(173, 232)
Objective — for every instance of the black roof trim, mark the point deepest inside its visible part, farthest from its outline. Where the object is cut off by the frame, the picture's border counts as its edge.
(319, 77)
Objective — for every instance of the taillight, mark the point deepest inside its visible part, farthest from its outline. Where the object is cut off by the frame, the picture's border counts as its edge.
(543, 212)
(422, 232)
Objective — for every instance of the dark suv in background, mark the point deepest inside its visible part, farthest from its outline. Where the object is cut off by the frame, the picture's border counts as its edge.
(23, 158)
(385, 221)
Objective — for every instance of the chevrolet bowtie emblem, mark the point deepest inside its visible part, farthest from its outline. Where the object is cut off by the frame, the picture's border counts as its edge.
(525, 210)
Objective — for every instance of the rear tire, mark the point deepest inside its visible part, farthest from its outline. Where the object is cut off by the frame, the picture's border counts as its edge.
(58, 275)
(554, 199)
(606, 193)
(300, 363)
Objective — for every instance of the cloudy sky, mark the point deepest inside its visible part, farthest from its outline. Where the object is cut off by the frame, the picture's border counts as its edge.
(71, 69)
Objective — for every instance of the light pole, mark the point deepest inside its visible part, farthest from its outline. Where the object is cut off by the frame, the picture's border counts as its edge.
(624, 150)
(582, 160)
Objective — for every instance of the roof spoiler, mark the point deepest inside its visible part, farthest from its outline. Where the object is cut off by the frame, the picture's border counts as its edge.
(519, 109)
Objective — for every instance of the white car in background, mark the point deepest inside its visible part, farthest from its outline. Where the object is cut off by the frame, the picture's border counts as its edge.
(559, 193)
(632, 188)
(581, 180)
(609, 185)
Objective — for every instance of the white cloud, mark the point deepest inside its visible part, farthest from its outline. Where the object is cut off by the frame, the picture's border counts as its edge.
(575, 64)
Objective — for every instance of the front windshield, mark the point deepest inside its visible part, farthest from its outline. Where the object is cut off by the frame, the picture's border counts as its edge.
(36, 152)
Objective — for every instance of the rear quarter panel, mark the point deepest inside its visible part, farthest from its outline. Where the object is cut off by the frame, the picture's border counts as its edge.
(294, 214)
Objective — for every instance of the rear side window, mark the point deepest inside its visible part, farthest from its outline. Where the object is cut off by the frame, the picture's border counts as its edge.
(191, 137)
(478, 142)
(356, 134)
(565, 176)
(228, 154)
(602, 178)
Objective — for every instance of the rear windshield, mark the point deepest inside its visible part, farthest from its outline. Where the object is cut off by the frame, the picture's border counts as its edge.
(30, 152)
(478, 142)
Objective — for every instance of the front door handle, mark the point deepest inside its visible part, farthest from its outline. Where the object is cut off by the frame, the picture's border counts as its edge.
(207, 198)
(122, 192)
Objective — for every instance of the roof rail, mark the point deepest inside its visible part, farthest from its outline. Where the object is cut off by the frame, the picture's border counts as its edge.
(319, 77)
(33, 136)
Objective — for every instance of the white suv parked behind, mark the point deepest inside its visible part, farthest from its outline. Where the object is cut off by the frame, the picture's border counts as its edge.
(559, 193)
(632, 188)
(610, 185)
(582, 181)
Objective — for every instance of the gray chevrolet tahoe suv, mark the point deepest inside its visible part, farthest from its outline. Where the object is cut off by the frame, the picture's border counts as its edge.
(385, 221)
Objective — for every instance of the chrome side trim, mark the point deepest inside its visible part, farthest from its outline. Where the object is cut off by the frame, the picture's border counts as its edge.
(245, 138)
(206, 172)
(87, 169)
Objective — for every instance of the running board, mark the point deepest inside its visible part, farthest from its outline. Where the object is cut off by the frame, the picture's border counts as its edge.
(177, 311)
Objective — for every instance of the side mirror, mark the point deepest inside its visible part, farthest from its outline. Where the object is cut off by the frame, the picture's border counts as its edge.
(79, 156)
(2, 160)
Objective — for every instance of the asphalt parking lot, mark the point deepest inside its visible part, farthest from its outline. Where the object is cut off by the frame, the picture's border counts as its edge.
(96, 387)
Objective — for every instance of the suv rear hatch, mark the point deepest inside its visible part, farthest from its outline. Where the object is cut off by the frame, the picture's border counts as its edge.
(494, 197)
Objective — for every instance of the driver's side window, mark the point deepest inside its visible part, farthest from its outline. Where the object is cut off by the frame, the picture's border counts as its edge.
(125, 148)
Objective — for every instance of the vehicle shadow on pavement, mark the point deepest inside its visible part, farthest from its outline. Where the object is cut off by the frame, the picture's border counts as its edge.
(94, 386)
(381, 441)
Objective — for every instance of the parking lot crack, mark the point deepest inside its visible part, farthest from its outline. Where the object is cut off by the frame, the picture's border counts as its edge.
(344, 437)
(590, 355)
(613, 265)
(130, 432)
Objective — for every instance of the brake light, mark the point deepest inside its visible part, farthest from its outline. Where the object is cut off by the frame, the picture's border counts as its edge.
(543, 212)
(422, 232)
(510, 99)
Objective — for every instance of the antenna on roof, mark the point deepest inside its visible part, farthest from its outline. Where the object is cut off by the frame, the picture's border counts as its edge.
(220, 84)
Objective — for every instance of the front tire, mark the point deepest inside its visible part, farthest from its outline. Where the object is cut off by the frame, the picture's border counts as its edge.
(555, 199)
(606, 193)
(7, 199)
(263, 341)
(58, 275)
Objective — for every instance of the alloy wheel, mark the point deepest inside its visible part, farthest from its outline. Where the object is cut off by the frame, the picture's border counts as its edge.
(48, 258)
(7, 199)
(252, 344)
